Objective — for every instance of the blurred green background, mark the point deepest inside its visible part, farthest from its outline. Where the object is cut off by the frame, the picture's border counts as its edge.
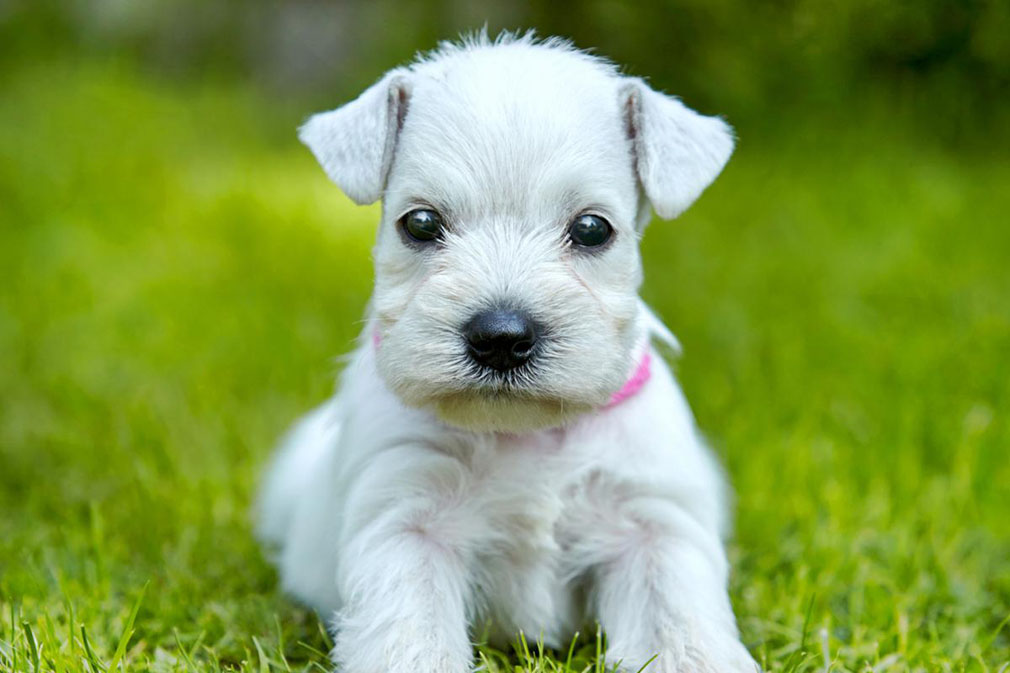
(178, 277)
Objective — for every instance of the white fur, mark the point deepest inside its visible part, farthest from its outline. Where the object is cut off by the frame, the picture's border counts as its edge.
(428, 499)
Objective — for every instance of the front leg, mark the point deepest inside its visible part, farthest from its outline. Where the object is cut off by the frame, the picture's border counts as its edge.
(661, 592)
(402, 569)
(405, 604)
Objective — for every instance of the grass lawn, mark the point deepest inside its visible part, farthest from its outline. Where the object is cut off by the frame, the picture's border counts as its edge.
(178, 277)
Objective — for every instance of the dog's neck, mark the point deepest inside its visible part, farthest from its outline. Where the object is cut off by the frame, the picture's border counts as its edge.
(638, 378)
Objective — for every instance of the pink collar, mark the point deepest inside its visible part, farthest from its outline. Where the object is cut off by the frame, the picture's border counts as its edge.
(638, 379)
(635, 382)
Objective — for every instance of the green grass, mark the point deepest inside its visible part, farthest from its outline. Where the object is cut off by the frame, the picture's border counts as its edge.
(178, 277)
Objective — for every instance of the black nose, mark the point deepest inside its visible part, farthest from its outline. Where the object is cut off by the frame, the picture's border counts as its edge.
(500, 339)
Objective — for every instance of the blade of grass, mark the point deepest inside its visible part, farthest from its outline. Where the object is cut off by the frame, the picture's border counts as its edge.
(33, 646)
(128, 630)
(599, 650)
(523, 649)
(93, 660)
(571, 652)
(14, 647)
(264, 665)
(56, 665)
(651, 659)
(182, 650)
(312, 649)
(71, 641)
(325, 634)
(280, 644)
(995, 634)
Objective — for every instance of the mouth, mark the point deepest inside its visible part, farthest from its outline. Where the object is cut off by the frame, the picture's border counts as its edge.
(512, 400)
(539, 389)
(512, 383)
(504, 410)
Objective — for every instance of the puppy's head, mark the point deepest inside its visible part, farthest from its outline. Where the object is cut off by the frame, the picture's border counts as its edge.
(516, 177)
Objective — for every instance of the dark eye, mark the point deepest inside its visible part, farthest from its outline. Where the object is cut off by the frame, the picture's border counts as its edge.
(590, 231)
(422, 225)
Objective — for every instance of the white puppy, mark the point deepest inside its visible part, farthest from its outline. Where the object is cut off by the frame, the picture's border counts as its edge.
(505, 447)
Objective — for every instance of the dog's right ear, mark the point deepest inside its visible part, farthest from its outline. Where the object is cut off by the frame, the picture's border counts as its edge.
(354, 143)
(677, 151)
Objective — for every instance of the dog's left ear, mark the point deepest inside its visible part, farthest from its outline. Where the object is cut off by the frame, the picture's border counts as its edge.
(354, 143)
(678, 152)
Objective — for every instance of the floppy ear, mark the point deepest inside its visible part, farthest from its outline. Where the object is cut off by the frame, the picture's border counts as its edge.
(678, 152)
(355, 143)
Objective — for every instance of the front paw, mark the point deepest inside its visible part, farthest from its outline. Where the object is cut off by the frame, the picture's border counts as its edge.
(401, 649)
(401, 662)
(686, 650)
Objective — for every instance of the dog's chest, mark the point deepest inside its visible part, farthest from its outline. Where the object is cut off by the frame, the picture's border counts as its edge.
(524, 491)
(524, 483)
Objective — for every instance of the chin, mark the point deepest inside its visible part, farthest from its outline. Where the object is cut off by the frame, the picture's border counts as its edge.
(481, 412)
